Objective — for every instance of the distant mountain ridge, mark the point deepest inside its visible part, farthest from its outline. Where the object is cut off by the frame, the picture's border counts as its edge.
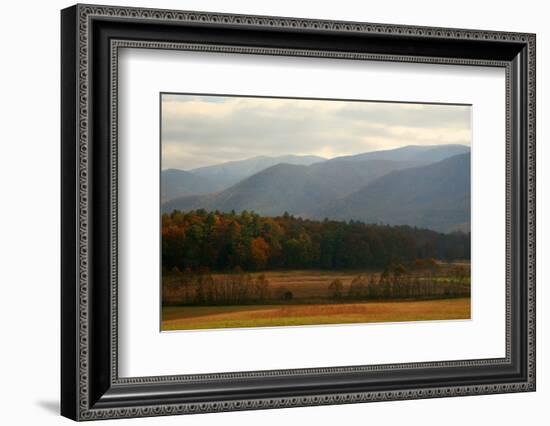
(422, 153)
(296, 189)
(436, 196)
(179, 183)
(373, 188)
(232, 172)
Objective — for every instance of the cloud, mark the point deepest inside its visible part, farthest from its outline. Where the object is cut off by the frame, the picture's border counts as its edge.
(203, 130)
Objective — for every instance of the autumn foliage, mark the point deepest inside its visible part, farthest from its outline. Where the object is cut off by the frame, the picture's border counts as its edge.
(224, 241)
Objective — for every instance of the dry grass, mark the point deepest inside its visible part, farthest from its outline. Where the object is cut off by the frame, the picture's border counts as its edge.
(309, 283)
(192, 318)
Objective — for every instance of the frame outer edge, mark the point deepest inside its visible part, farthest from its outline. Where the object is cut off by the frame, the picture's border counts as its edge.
(69, 192)
(83, 12)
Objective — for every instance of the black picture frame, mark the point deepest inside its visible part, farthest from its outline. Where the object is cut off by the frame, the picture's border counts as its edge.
(90, 386)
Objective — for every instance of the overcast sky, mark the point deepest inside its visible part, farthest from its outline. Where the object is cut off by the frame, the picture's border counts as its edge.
(204, 130)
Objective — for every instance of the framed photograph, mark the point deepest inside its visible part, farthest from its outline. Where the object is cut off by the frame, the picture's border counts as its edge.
(263, 212)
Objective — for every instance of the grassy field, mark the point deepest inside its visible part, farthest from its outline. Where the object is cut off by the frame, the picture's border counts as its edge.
(304, 284)
(312, 302)
(309, 284)
(209, 317)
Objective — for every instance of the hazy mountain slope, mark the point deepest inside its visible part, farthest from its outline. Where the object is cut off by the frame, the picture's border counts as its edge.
(436, 196)
(270, 192)
(177, 183)
(421, 153)
(299, 190)
(340, 178)
(431, 195)
(342, 174)
(227, 174)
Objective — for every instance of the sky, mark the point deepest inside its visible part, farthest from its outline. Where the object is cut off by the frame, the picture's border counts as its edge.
(201, 131)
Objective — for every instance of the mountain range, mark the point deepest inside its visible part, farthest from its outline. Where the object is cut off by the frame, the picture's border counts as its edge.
(436, 196)
(424, 186)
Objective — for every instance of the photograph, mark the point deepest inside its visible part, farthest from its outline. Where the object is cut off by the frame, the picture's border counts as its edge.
(291, 211)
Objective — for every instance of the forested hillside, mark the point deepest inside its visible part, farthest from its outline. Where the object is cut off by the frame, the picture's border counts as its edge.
(223, 241)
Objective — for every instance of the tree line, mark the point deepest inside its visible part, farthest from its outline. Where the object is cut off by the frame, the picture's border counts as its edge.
(238, 287)
(396, 282)
(224, 241)
(201, 288)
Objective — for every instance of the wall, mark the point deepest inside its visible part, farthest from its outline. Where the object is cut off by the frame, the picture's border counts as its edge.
(29, 225)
